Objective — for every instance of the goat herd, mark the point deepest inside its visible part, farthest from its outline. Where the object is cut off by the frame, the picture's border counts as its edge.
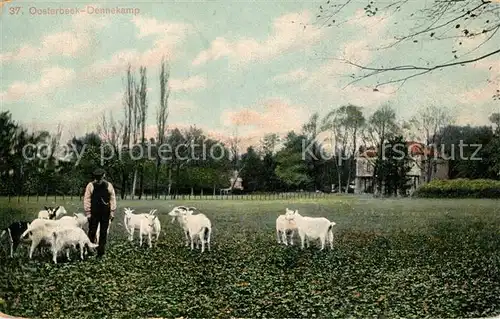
(52, 229)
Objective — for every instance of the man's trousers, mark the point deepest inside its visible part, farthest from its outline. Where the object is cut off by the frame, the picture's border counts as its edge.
(94, 221)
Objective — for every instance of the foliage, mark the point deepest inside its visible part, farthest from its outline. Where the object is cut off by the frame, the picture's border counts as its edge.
(187, 165)
(468, 148)
(460, 188)
(291, 167)
(388, 261)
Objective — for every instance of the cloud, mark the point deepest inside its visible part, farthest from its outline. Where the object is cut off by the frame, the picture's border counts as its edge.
(84, 117)
(250, 124)
(328, 80)
(180, 108)
(50, 81)
(77, 40)
(288, 34)
(273, 115)
(325, 81)
(169, 36)
(77, 119)
(475, 114)
(372, 26)
(189, 84)
(292, 76)
(151, 26)
(483, 93)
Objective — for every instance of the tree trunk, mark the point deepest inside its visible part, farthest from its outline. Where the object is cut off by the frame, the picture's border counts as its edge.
(351, 161)
(380, 179)
(428, 172)
(141, 181)
(339, 175)
(157, 175)
(124, 184)
(134, 183)
(169, 179)
(177, 174)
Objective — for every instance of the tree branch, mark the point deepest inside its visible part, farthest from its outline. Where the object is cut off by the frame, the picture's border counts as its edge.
(423, 70)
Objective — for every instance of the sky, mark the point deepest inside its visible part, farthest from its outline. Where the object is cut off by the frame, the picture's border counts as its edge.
(243, 68)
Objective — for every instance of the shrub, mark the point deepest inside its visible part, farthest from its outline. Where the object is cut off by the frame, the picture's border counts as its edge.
(460, 188)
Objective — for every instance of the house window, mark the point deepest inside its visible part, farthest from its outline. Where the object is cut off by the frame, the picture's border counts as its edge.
(369, 168)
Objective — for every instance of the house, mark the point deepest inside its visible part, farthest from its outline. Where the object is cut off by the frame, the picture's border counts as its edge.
(421, 155)
(237, 185)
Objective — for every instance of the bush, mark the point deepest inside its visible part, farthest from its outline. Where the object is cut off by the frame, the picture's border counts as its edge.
(460, 188)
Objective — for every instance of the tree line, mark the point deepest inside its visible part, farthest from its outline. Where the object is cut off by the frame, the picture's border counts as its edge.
(321, 154)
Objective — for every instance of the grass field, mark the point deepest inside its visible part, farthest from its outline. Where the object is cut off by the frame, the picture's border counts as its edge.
(391, 258)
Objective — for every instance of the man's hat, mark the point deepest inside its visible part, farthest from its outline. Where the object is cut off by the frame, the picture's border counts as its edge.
(99, 172)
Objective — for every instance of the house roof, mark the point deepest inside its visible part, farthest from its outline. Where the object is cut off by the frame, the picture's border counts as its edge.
(415, 149)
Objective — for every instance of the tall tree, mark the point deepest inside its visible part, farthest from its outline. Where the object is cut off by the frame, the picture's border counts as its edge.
(161, 118)
(349, 120)
(129, 123)
(234, 148)
(467, 151)
(143, 108)
(252, 172)
(427, 123)
(493, 147)
(291, 168)
(382, 125)
(269, 143)
(313, 157)
(392, 169)
(338, 139)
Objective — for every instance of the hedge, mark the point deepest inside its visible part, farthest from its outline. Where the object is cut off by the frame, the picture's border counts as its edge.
(460, 188)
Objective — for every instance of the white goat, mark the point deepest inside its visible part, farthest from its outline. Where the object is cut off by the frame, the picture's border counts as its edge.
(176, 213)
(283, 226)
(69, 220)
(52, 213)
(81, 220)
(198, 226)
(145, 223)
(59, 211)
(40, 230)
(157, 224)
(47, 213)
(64, 237)
(312, 228)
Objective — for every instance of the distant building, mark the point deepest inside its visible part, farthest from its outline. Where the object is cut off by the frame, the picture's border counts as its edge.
(239, 181)
(365, 165)
(237, 185)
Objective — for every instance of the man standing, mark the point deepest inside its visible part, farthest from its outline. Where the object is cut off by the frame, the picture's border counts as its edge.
(99, 203)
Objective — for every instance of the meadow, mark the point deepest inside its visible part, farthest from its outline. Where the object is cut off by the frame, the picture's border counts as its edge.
(411, 258)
